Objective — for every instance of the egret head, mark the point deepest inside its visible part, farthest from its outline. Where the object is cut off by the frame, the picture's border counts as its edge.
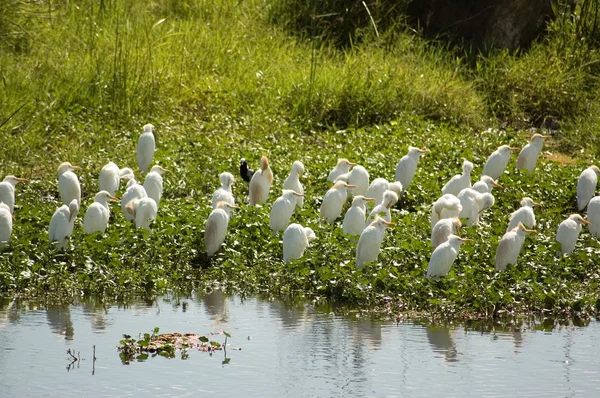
(73, 209)
(104, 196)
(522, 229)
(538, 139)
(457, 223)
(159, 170)
(390, 198)
(12, 180)
(130, 183)
(148, 128)
(66, 166)
(126, 173)
(298, 168)
(456, 240)
(467, 167)
(490, 182)
(342, 185)
(397, 188)
(528, 202)
(580, 220)
(264, 163)
(596, 169)
(291, 194)
(226, 179)
(310, 234)
(380, 223)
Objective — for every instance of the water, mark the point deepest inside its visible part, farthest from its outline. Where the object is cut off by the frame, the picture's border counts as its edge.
(287, 351)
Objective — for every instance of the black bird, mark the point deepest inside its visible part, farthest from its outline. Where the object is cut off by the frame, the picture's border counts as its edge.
(245, 172)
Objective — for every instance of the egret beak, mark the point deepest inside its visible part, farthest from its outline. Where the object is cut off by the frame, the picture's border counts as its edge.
(546, 136)
(369, 199)
(114, 198)
(389, 224)
(538, 204)
(298, 194)
(165, 170)
(514, 148)
(352, 164)
(531, 231)
(22, 179)
(424, 150)
(480, 211)
(299, 174)
(497, 185)
(350, 186)
(586, 222)
(464, 240)
(76, 167)
(232, 206)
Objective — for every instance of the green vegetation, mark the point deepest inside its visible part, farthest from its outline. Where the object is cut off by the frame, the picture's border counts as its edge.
(223, 80)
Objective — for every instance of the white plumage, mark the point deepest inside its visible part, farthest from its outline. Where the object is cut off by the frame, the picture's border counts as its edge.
(510, 246)
(145, 148)
(444, 256)
(153, 183)
(568, 232)
(6, 224)
(443, 229)
(282, 210)
(342, 167)
(358, 176)
(445, 207)
(109, 178)
(379, 186)
(354, 220)
(390, 198)
(216, 227)
(407, 166)
(260, 184)
(333, 201)
(97, 215)
(62, 223)
(593, 216)
(586, 186)
(144, 210)
(370, 241)
(7, 191)
(474, 203)
(497, 162)
(459, 181)
(523, 215)
(224, 194)
(295, 241)
(293, 181)
(133, 191)
(485, 184)
(530, 152)
(68, 183)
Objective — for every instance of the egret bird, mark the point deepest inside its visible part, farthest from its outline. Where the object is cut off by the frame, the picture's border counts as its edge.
(407, 166)
(497, 162)
(486, 184)
(68, 183)
(380, 185)
(586, 186)
(445, 207)
(390, 198)
(354, 220)
(459, 181)
(473, 204)
(568, 232)
(530, 152)
(443, 256)
(144, 210)
(358, 176)
(443, 229)
(260, 184)
(293, 181)
(245, 172)
(216, 227)
(133, 191)
(7, 191)
(6, 220)
(282, 210)
(334, 200)
(224, 192)
(110, 177)
(593, 216)
(62, 223)
(145, 148)
(523, 215)
(153, 183)
(510, 246)
(342, 167)
(295, 240)
(97, 215)
(370, 241)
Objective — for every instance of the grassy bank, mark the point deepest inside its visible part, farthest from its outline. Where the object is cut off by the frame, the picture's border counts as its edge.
(220, 82)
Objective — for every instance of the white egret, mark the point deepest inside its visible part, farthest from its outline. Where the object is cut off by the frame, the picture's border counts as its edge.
(282, 210)
(126, 173)
(97, 215)
(473, 204)
(390, 198)
(216, 227)
(443, 256)
(260, 184)
(568, 232)
(354, 220)
(486, 184)
(445, 207)
(523, 215)
(153, 183)
(110, 177)
(7, 191)
(6, 224)
(334, 200)
(133, 191)
(62, 223)
(224, 192)
(145, 148)
(459, 181)
(497, 162)
(443, 229)
(144, 210)
(295, 240)
(358, 176)
(370, 240)
(586, 186)
(68, 183)
(293, 181)
(593, 216)
(530, 152)
(407, 166)
(342, 167)
(510, 246)
(379, 186)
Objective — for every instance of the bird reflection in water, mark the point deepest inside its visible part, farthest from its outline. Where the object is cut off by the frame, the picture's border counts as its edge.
(441, 341)
(215, 305)
(59, 320)
(96, 313)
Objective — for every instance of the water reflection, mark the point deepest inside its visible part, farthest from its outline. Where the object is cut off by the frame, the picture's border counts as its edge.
(441, 341)
(59, 320)
(97, 314)
(215, 306)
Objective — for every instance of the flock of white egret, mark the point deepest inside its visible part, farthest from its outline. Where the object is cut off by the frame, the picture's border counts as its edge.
(459, 200)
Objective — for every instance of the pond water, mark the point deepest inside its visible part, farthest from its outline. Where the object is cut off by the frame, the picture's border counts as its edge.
(291, 351)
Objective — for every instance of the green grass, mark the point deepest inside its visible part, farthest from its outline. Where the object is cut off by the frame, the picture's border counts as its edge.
(220, 82)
